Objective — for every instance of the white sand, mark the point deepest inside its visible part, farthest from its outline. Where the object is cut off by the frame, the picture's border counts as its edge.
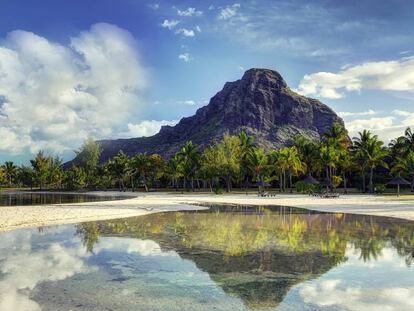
(12, 217)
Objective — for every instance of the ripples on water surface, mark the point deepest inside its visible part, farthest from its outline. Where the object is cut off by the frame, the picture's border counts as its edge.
(229, 258)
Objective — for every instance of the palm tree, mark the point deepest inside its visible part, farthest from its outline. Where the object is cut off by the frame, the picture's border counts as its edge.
(359, 148)
(329, 157)
(139, 165)
(55, 171)
(408, 140)
(174, 171)
(10, 172)
(40, 166)
(258, 164)
(309, 153)
(290, 162)
(406, 165)
(347, 165)
(246, 143)
(118, 168)
(337, 137)
(25, 176)
(189, 156)
(375, 153)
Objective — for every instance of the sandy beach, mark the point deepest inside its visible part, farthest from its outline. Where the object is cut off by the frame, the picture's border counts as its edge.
(12, 217)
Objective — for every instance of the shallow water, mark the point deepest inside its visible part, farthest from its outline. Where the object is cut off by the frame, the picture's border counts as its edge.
(228, 258)
(33, 198)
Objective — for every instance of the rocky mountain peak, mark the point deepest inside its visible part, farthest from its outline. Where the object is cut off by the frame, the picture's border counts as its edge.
(260, 103)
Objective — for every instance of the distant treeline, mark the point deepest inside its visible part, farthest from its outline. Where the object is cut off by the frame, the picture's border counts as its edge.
(363, 162)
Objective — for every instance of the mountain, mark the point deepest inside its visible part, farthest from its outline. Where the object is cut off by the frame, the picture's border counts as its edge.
(260, 103)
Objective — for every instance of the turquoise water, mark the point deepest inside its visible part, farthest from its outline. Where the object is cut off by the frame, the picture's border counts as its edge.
(229, 258)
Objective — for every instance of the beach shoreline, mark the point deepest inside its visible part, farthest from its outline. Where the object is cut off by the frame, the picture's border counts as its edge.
(14, 217)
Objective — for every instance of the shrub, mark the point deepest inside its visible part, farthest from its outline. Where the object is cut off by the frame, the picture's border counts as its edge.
(218, 190)
(302, 187)
(379, 188)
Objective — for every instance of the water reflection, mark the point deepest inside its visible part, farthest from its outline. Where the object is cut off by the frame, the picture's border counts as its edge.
(40, 198)
(229, 258)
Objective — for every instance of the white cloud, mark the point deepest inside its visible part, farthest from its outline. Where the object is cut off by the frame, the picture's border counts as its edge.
(189, 12)
(387, 128)
(229, 11)
(170, 24)
(186, 32)
(146, 128)
(55, 96)
(154, 6)
(130, 245)
(369, 112)
(23, 268)
(396, 75)
(330, 293)
(185, 57)
(189, 102)
(198, 28)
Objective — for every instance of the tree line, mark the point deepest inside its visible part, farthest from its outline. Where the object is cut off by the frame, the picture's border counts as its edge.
(363, 162)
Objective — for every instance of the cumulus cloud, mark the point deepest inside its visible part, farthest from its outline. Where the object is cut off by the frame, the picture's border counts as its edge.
(186, 32)
(387, 128)
(54, 96)
(331, 293)
(147, 128)
(129, 245)
(170, 24)
(229, 11)
(395, 75)
(185, 57)
(24, 268)
(189, 12)
(369, 112)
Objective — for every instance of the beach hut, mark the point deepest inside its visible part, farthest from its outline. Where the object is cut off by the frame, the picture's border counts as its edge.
(398, 181)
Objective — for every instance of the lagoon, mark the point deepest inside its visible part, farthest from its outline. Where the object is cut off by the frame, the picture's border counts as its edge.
(20, 198)
(224, 258)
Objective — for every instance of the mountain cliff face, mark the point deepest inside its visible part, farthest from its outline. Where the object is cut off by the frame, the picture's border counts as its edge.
(260, 103)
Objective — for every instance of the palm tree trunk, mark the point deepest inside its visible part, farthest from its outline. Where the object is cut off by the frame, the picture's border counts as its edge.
(280, 182)
(284, 181)
(228, 183)
(371, 179)
(345, 189)
(290, 181)
(363, 181)
(412, 183)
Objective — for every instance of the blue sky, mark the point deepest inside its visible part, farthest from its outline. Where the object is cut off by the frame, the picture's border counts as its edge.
(108, 69)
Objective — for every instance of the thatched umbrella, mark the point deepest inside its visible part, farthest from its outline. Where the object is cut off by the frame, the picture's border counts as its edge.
(262, 184)
(398, 181)
(310, 180)
(327, 182)
(247, 184)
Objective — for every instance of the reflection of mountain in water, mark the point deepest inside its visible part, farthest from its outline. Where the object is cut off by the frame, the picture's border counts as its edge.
(259, 254)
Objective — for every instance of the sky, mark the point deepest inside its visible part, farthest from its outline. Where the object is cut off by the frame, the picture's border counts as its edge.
(123, 68)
